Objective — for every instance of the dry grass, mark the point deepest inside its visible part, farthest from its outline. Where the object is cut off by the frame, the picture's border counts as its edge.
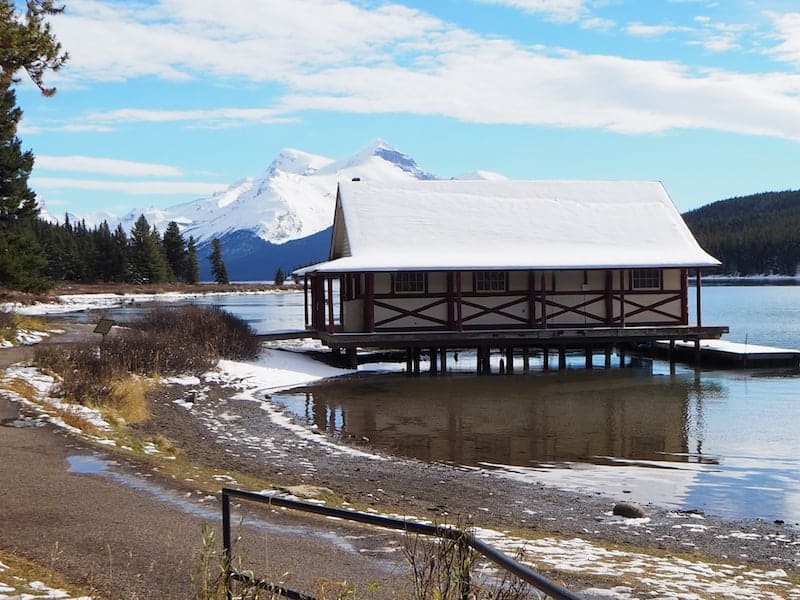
(76, 420)
(21, 387)
(27, 571)
(127, 400)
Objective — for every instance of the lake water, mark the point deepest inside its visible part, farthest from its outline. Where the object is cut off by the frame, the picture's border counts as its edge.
(727, 442)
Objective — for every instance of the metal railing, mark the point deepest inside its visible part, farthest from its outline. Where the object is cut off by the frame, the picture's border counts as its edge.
(461, 537)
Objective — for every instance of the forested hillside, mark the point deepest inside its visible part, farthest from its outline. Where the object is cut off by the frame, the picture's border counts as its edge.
(751, 235)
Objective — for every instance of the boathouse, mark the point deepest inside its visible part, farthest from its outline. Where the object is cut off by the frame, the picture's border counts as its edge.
(441, 265)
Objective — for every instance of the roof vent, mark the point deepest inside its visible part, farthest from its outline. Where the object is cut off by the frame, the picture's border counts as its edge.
(356, 179)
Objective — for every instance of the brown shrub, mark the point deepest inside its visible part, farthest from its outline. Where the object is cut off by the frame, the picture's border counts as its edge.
(166, 341)
(224, 334)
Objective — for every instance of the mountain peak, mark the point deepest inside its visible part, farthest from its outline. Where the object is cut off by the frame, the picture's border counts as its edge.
(378, 152)
(291, 160)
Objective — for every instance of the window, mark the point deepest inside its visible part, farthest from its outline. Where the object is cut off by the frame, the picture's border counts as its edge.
(490, 281)
(646, 279)
(408, 282)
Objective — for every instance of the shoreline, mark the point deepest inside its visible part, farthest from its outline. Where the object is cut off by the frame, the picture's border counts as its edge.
(446, 493)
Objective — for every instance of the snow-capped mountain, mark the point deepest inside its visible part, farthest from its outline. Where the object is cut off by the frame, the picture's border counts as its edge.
(293, 199)
(283, 218)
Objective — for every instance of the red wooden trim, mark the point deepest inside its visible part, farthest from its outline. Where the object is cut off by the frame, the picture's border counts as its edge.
(544, 302)
(685, 296)
(699, 305)
(318, 302)
(609, 298)
(331, 327)
(531, 299)
(459, 313)
(342, 291)
(369, 302)
(575, 309)
(305, 298)
(640, 308)
(498, 310)
(402, 313)
(451, 309)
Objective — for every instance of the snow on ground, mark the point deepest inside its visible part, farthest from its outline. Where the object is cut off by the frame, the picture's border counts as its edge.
(272, 371)
(15, 587)
(68, 303)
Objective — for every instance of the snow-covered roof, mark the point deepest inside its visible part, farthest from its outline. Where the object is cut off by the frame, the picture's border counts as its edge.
(447, 225)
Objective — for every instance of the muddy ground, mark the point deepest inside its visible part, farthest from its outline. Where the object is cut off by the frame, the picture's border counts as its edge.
(444, 493)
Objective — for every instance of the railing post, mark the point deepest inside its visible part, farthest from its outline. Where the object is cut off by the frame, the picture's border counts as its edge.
(226, 542)
(463, 566)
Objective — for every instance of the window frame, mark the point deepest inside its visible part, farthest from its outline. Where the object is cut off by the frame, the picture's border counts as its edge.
(404, 279)
(647, 279)
(497, 280)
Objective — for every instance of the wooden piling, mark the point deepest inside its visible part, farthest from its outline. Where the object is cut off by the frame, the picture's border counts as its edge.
(443, 357)
(671, 357)
(510, 360)
(526, 359)
(562, 358)
(588, 357)
(608, 356)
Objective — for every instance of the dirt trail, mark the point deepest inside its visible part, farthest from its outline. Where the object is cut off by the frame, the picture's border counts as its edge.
(125, 534)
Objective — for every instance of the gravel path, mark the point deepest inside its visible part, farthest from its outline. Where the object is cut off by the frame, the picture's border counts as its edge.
(103, 531)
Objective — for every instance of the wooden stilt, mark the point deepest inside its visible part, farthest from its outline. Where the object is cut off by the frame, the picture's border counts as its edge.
(352, 358)
(416, 360)
(546, 358)
(502, 366)
(622, 356)
(671, 356)
(608, 356)
(510, 360)
(526, 359)
(697, 349)
(409, 361)
(562, 358)
(434, 361)
(588, 353)
(487, 360)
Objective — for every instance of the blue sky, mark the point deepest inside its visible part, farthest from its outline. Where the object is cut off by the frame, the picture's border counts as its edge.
(168, 100)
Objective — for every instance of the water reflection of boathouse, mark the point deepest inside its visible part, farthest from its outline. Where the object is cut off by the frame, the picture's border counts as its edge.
(516, 421)
(514, 266)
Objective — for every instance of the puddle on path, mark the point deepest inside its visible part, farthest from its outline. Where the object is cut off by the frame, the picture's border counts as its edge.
(95, 465)
(85, 463)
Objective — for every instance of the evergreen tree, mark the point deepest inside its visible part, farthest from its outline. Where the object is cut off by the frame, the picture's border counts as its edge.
(175, 250)
(28, 43)
(279, 276)
(120, 263)
(147, 263)
(218, 270)
(21, 257)
(192, 272)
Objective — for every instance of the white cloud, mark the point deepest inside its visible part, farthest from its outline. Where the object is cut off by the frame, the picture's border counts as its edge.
(134, 188)
(598, 23)
(557, 10)
(642, 30)
(340, 56)
(107, 166)
(216, 117)
(787, 31)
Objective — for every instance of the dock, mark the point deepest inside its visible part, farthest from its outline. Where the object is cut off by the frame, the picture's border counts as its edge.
(723, 353)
